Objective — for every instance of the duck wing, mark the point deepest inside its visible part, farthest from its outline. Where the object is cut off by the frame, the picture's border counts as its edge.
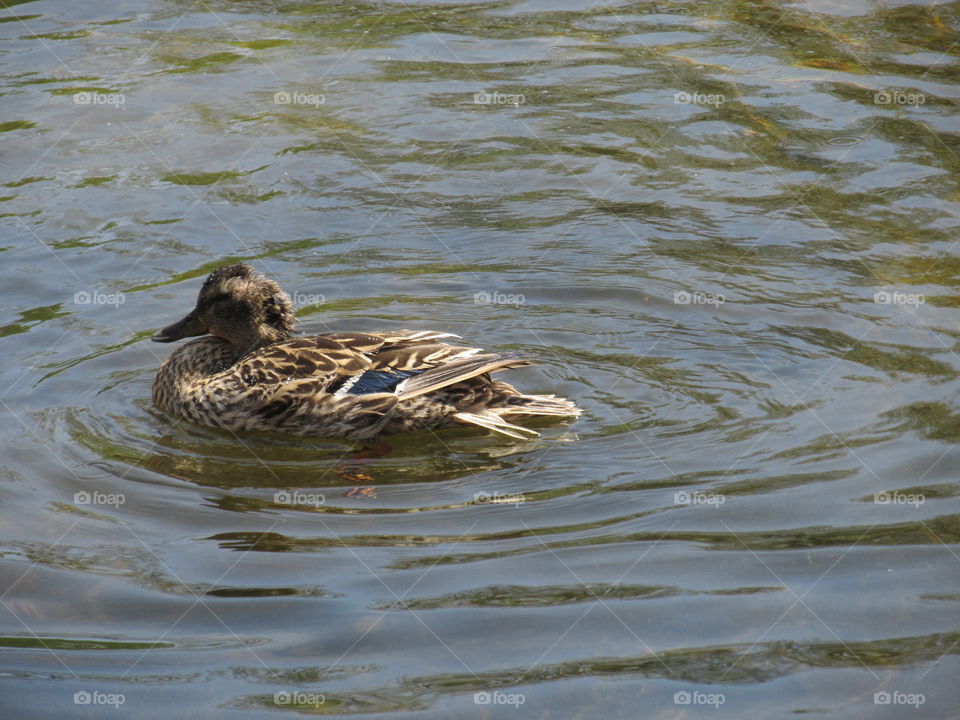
(405, 363)
(319, 358)
(412, 363)
(457, 370)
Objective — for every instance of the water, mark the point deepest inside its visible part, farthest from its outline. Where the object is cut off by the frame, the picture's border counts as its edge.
(727, 229)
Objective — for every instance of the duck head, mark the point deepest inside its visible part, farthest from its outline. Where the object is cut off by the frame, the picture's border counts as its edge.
(239, 306)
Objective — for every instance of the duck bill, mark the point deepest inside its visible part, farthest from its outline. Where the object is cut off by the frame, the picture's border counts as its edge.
(190, 326)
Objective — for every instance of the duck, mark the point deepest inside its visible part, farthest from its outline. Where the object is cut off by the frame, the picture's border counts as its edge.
(247, 370)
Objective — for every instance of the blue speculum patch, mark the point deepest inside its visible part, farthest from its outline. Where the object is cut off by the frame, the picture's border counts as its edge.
(373, 381)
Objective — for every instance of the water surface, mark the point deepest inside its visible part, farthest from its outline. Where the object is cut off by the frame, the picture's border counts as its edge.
(727, 229)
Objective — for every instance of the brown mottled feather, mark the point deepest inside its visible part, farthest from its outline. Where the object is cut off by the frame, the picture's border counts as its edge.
(250, 374)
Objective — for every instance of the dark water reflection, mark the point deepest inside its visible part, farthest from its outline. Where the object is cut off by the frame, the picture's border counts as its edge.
(727, 228)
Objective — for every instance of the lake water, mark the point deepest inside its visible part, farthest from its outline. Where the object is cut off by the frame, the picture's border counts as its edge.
(727, 229)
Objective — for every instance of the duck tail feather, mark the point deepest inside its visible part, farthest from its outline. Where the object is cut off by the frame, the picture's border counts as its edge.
(492, 421)
(540, 405)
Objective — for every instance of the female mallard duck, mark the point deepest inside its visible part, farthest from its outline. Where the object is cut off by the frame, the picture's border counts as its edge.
(249, 373)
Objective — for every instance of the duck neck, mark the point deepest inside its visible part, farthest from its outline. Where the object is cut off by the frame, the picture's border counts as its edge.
(254, 338)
